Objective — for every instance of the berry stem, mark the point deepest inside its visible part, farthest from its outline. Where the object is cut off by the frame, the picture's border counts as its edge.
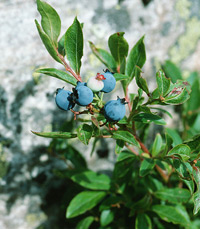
(68, 68)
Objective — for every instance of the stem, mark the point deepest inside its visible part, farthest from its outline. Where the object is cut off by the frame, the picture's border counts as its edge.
(68, 68)
(127, 99)
(131, 149)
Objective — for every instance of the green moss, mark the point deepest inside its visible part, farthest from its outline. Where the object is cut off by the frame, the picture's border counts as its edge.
(187, 42)
(183, 8)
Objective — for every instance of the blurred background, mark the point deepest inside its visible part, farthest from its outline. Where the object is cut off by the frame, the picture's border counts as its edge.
(30, 193)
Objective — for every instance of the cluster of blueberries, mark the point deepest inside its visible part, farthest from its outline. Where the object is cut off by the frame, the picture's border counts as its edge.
(82, 95)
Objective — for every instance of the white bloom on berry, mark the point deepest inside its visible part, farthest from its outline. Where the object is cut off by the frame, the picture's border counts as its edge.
(95, 83)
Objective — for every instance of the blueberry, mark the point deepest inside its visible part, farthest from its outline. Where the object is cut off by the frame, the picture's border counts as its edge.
(115, 110)
(95, 83)
(64, 99)
(79, 84)
(82, 94)
(109, 82)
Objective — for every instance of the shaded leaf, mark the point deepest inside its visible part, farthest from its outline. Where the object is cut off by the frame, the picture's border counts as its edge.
(124, 155)
(92, 180)
(118, 46)
(194, 143)
(143, 221)
(85, 223)
(84, 133)
(47, 43)
(183, 151)
(50, 22)
(105, 57)
(170, 214)
(74, 45)
(196, 195)
(172, 71)
(141, 82)
(157, 145)
(66, 135)
(61, 75)
(173, 195)
(125, 136)
(83, 202)
(106, 217)
(61, 45)
(148, 118)
(146, 166)
(119, 146)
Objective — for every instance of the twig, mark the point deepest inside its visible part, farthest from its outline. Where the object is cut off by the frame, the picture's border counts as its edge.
(131, 149)
(68, 68)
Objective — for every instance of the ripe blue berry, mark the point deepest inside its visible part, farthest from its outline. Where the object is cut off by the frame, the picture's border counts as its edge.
(109, 82)
(115, 110)
(64, 99)
(80, 84)
(95, 83)
(83, 95)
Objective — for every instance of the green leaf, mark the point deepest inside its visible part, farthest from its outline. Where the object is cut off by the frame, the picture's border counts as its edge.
(157, 145)
(173, 195)
(196, 195)
(92, 180)
(141, 82)
(47, 43)
(66, 135)
(182, 151)
(124, 155)
(143, 221)
(170, 214)
(193, 102)
(61, 75)
(119, 146)
(85, 223)
(118, 46)
(174, 135)
(50, 22)
(137, 57)
(106, 217)
(74, 45)
(84, 133)
(162, 110)
(179, 93)
(146, 166)
(148, 118)
(163, 83)
(75, 157)
(61, 45)
(194, 143)
(125, 136)
(172, 71)
(119, 76)
(105, 57)
(83, 202)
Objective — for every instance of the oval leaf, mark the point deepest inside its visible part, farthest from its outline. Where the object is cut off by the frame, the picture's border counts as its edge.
(183, 151)
(170, 214)
(118, 46)
(66, 135)
(47, 43)
(146, 166)
(143, 221)
(50, 22)
(84, 133)
(74, 45)
(137, 57)
(85, 223)
(125, 136)
(92, 180)
(104, 57)
(163, 83)
(83, 202)
(148, 118)
(173, 195)
(157, 145)
(61, 75)
(119, 76)
(106, 217)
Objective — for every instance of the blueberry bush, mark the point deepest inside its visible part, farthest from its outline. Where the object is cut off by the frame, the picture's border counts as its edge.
(155, 183)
